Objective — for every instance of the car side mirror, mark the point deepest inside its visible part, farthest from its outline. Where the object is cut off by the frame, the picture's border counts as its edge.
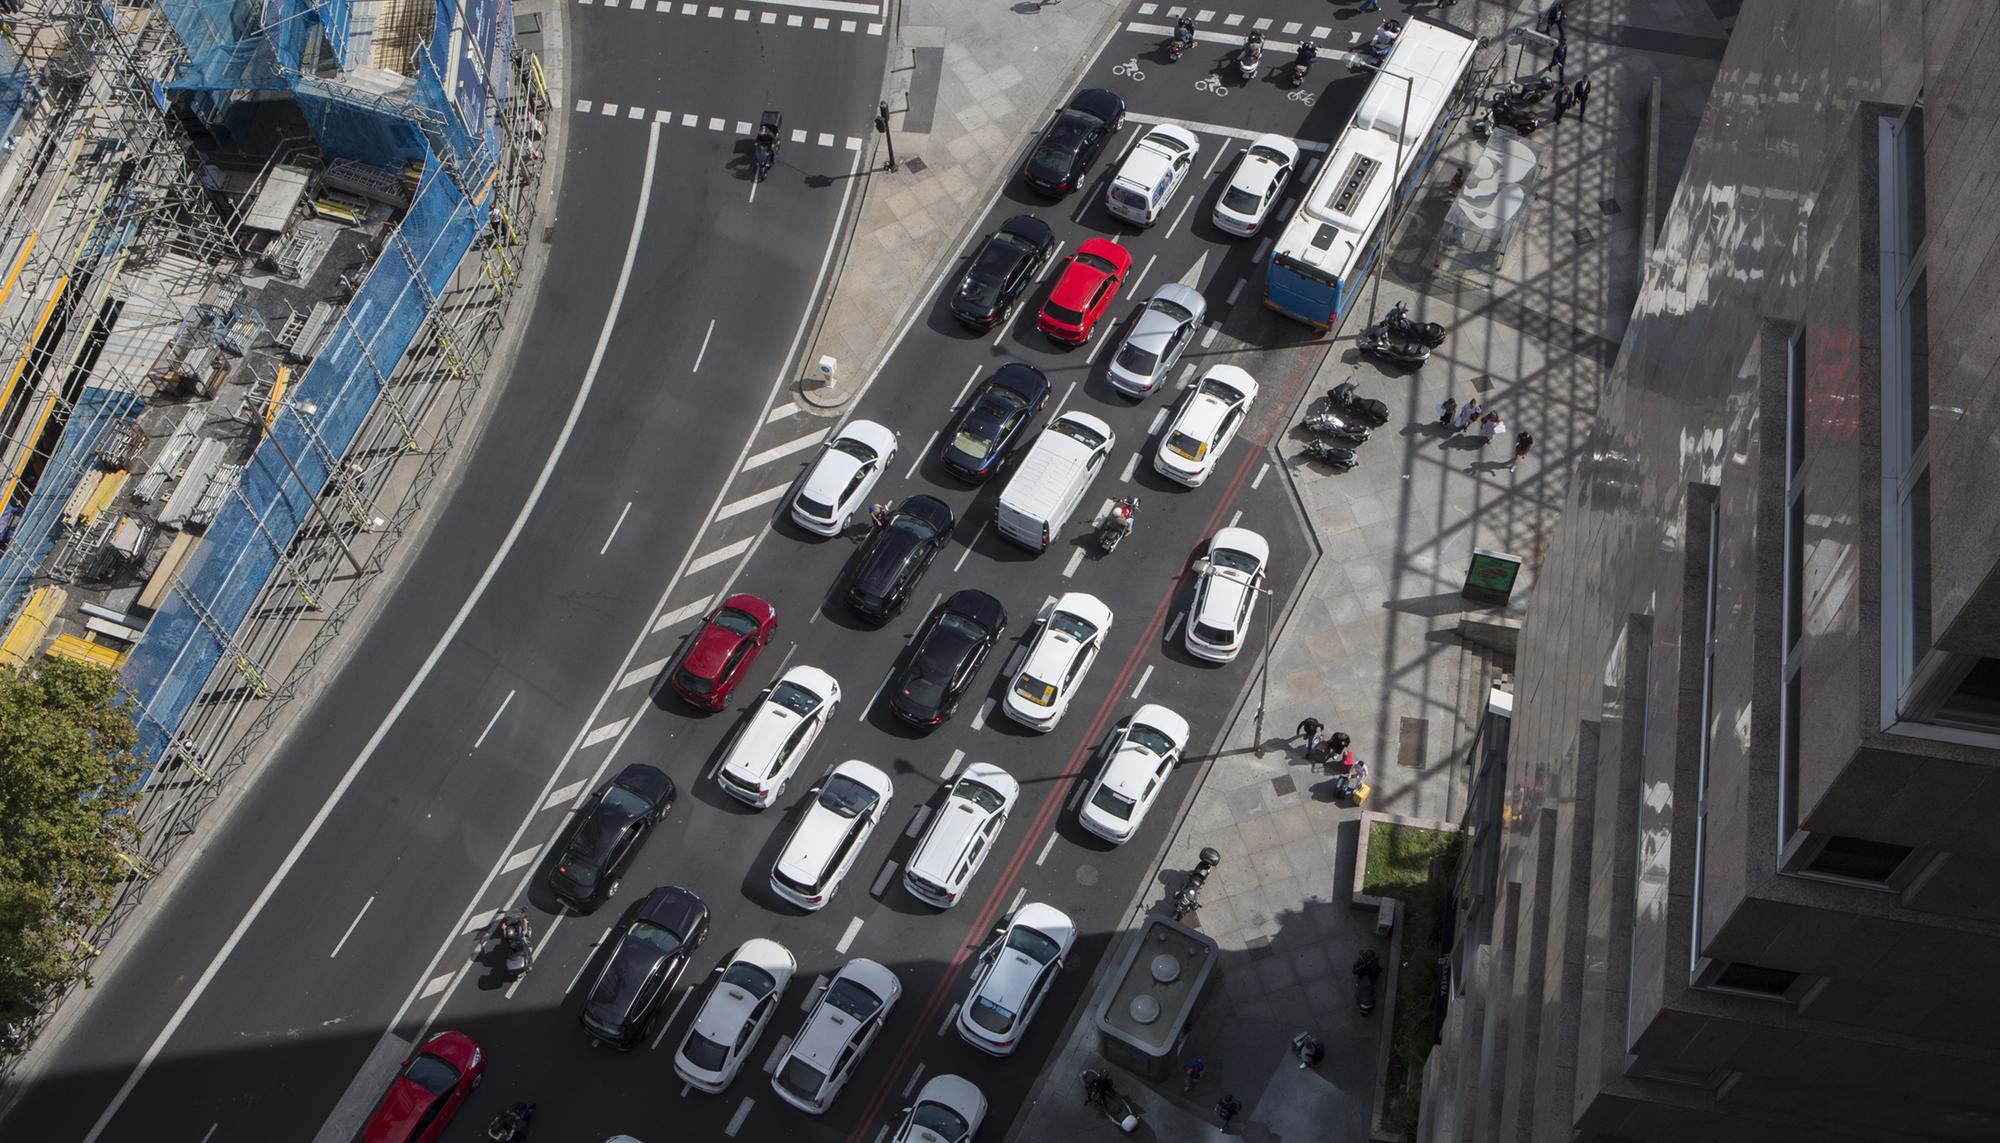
(1202, 565)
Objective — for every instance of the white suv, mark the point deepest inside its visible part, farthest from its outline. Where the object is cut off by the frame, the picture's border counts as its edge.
(1232, 576)
(846, 808)
(738, 1008)
(1015, 974)
(843, 1022)
(775, 738)
(961, 835)
(1157, 164)
(1057, 660)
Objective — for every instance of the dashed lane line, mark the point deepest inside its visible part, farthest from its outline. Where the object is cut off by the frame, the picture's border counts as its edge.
(778, 452)
(683, 612)
(755, 500)
(1143, 676)
(607, 731)
(1046, 847)
(951, 767)
(720, 555)
(641, 674)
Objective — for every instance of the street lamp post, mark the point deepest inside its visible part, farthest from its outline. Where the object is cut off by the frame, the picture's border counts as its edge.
(882, 125)
(312, 496)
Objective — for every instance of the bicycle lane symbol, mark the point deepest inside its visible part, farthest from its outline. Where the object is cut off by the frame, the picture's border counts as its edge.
(1130, 69)
(1213, 85)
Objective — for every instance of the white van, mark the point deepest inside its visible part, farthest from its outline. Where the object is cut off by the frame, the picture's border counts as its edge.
(1150, 173)
(1045, 488)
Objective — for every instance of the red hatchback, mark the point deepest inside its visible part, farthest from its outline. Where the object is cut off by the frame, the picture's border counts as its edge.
(1083, 291)
(427, 1092)
(721, 652)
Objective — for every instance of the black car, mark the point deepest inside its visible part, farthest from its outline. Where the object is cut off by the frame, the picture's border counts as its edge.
(607, 833)
(896, 557)
(1073, 140)
(945, 656)
(643, 958)
(1002, 267)
(994, 421)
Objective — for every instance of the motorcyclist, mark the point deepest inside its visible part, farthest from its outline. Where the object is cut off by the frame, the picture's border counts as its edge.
(1308, 52)
(1254, 43)
(514, 929)
(1184, 31)
(511, 1125)
(1385, 36)
(1119, 519)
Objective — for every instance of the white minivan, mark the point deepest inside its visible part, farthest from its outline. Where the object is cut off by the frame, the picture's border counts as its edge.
(1052, 478)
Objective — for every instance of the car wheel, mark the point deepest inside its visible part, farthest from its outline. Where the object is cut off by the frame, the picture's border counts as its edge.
(611, 888)
(846, 521)
(781, 789)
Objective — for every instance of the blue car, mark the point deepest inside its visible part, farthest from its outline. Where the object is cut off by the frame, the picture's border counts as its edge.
(994, 421)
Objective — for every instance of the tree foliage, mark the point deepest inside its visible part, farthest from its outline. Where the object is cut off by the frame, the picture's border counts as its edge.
(68, 780)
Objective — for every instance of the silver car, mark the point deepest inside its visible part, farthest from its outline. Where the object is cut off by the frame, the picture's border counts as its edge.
(1157, 339)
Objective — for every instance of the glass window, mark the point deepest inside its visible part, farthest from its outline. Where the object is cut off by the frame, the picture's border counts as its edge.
(1975, 703)
(1755, 978)
(1859, 859)
(1913, 319)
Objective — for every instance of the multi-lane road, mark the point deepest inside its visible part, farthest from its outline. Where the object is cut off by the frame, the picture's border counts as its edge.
(636, 469)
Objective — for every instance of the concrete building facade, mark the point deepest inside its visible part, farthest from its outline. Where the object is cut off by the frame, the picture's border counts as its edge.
(1738, 874)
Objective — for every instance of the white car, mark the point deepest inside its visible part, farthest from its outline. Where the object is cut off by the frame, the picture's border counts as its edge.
(959, 838)
(843, 1022)
(1232, 576)
(1205, 423)
(1156, 340)
(1057, 660)
(1254, 186)
(1155, 166)
(846, 807)
(948, 1110)
(766, 753)
(739, 1006)
(1141, 756)
(840, 479)
(1015, 974)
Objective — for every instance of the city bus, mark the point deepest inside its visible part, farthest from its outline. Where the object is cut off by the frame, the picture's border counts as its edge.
(1328, 246)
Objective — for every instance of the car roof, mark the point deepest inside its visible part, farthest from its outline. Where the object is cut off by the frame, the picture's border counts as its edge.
(977, 606)
(673, 908)
(830, 1029)
(929, 509)
(1220, 597)
(769, 726)
(1029, 227)
(1076, 283)
(1155, 715)
(945, 843)
(647, 781)
(1106, 105)
(1022, 378)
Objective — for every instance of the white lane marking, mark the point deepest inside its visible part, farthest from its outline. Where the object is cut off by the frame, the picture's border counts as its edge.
(874, 698)
(1159, 420)
(583, 105)
(916, 826)
(1236, 291)
(979, 720)
(874, 29)
(824, 139)
(1075, 561)
(1059, 404)
(620, 523)
(481, 920)
(847, 937)
(948, 1018)
(1263, 248)
(1178, 215)
(1143, 676)
(1208, 335)
(854, 7)
(1103, 339)
(477, 742)
(1046, 846)
(690, 119)
(912, 1085)
(1238, 516)
(951, 767)
(1175, 629)
(720, 555)
(471, 600)
(1075, 796)
(782, 411)
(718, 123)
(756, 500)
(608, 730)
(564, 796)
(917, 461)
(875, 890)
(214, 1126)
(601, 938)
(640, 674)
(1014, 906)
(437, 984)
(703, 352)
(798, 134)
(664, 116)
(671, 1017)
(1221, 153)
(778, 1049)
(964, 389)
(1051, 263)
(1006, 325)
(635, 113)
(685, 611)
(524, 857)
(608, 109)
(350, 928)
(1133, 289)
(736, 1120)
(1131, 466)
(783, 450)
(970, 544)
(1244, 134)
(1260, 476)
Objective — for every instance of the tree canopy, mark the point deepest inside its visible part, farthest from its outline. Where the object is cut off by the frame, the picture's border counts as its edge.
(68, 780)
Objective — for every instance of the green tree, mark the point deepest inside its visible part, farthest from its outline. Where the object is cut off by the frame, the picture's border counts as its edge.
(68, 780)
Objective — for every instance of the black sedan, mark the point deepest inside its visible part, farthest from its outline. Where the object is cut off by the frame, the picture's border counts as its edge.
(897, 556)
(946, 656)
(1001, 269)
(644, 956)
(994, 421)
(1073, 141)
(608, 833)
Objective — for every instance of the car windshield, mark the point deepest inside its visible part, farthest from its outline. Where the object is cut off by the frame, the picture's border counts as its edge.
(1035, 945)
(1112, 802)
(979, 794)
(1063, 314)
(750, 979)
(973, 443)
(1035, 690)
(853, 448)
(1151, 739)
(1052, 159)
(1268, 154)
(735, 622)
(795, 698)
(1187, 445)
(1232, 560)
(1135, 358)
(801, 1078)
(705, 1053)
(992, 1016)
(1242, 201)
(1171, 309)
(694, 682)
(1102, 265)
(1073, 625)
(852, 998)
(431, 1074)
(625, 802)
(1221, 391)
(846, 797)
(1210, 633)
(1088, 438)
(658, 938)
(814, 508)
(948, 1124)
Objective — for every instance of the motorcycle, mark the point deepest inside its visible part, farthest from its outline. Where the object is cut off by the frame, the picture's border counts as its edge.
(1343, 398)
(516, 938)
(1330, 423)
(1307, 54)
(1117, 523)
(1379, 342)
(1340, 458)
(1522, 92)
(511, 1125)
(1401, 324)
(1182, 41)
(1367, 967)
(1516, 119)
(1249, 56)
(1098, 1090)
(766, 148)
(1185, 901)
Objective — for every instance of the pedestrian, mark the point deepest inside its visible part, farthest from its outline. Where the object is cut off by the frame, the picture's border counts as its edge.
(1371, 5)
(1490, 426)
(1309, 728)
(1552, 21)
(1563, 100)
(1447, 409)
(1337, 751)
(1226, 1108)
(1522, 443)
(1557, 59)
(879, 513)
(1310, 1051)
(1580, 92)
(1468, 413)
(1191, 1074)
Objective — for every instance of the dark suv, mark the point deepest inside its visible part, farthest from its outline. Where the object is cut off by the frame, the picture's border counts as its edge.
(896, 557)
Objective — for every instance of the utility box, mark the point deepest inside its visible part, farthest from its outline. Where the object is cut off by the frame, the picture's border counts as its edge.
(1156, 987)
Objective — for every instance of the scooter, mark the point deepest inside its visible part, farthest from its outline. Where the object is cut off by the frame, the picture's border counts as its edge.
(1344, 399)
(1522, 92)
(1097, 1089)
(511, 1125)
(1182, 41)
(1249, 56)
(1117, 523)
(1300, 66)
(1367, 967)
(1340, 458)
(1379, 342)
(1185, 898)
(1330, 423)
(1400, 323)
(516, 937)
(1385, 38)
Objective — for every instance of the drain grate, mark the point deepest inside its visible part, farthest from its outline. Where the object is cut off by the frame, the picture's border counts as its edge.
(915, 165)
(1283, 785)
(1583, 236)
(1410, 745)
(1608, 205)
(1483, 382)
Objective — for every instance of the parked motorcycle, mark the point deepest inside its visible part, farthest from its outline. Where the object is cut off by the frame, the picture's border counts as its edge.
(1340, 458)
(511, 1125)
(1349, 403)
(1347, 432)
(1517, 119)
(1523, 92)
(1379, 342)
(1249, 56)
(1098, 1091)
(1185, 898)
(1367, 967)
(1117, 523)
(1401, 324)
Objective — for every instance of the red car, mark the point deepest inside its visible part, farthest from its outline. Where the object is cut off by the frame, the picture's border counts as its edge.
(721, 652)
(1084, 289)
(427, 1092)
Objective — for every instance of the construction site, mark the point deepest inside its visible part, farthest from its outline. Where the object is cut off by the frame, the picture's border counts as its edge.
(254, 262)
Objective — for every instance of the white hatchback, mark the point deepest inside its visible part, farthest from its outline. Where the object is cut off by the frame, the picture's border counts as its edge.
(1204, 424)
(840, 479)
(959, 838)
(1232, 576)
(1058, 659)
(846, 807)
(1261, 173)
(1142, 755)
(766, 753)
(843, 1022)
(747, 991)
(1015, 974)
(1155, 166)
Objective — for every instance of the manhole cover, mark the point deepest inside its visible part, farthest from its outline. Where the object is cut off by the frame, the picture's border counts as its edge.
(1166, 968)
(1608, 205)
(1583, 236)
(915, 165)
(1144, 1010)
(1283, 784)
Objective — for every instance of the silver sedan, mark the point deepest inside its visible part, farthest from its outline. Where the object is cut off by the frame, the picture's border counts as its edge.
(1157, 339)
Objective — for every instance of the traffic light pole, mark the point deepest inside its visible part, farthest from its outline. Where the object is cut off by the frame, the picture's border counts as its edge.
(882, 125)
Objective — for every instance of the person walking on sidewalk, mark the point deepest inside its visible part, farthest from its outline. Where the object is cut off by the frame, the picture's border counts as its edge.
(1447, 409)
(1557, 59)
(1337, 751)
(1552, 21)
(1490, 426)
(1191, 1074)
(1563, 101)
(1580, 92)
(1309, 728)
(1468, 413)
(1226, 1108)
(1523, 441)
(1310, 1051)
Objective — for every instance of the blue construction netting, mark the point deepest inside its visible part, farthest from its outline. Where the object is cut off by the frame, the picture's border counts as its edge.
(240, 550)
(14, 78)
(39, 525)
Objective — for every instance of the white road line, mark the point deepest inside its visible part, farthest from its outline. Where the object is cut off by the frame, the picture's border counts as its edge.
(1075, 561)
(1238, 516)
(608, 109)
(979, 720)
(875, 891)
(703, 352)
(778, 1050)
(964, 389)
(1014, 906)
(671, 1017)
(602, 937)
(847, 937)
(1006, 325)
(951, 767)
(782, 411)
(1259, 479)
(974, 542)
(1208, 336)
(1175, 629)
(608, 730)
(1143, 676)
(1046, 847)
(948, 1018)
(685, 611)
(737, 507)
(1132, 290)
(614, 528)
(1244, 134)
(214, 1126)
(1131, 466)
(720, 555)
(635, 113)
(912, 1085)
(783, 450)
(476, 743)
(855, 7)
(1236, 291)
(564, 796)
(481, 920)
(523, 857)
(736, 1120)
(1159, 419)
(916, 825)
(1075, 796)
(1221, 153)
(1263, 248)
(1061, 403)
(437, 984)
(350, 928)
(640, 674)
(1103, 339)
(1178, 215)
(1051, 263)
(874, 698)
(917, 461)
(583, 106)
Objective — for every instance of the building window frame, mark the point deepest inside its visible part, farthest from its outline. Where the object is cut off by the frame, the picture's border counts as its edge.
(1696, 960)
(1790, 688)
(1712, 978)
